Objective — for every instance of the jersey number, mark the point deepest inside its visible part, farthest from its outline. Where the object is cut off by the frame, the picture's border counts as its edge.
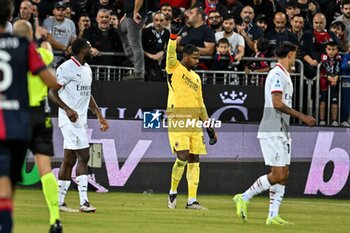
(6, 70)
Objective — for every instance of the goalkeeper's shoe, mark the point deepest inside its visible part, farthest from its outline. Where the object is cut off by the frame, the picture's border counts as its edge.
(241, 207)
(172, 201)
(56, 227)
(65, 208)
(277, 220)
(195, 206)
(87, 208)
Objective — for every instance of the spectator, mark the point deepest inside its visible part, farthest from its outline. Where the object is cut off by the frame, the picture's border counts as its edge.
(223, 59)
(61, 31)
(339, 28)
(103, 37)
(83, 24)
(96, 5)
(130, 35)
(297, 26)
(199, 34)
(292, 9)
(262, 22)
(249, 30)
(261, 47)
(236, 41)
(313, 43)
(279, 33)
(68, 14)
(215, 21)
(330, 70)
(154, 42)
(167, 10)
(308, 9)
(264, 7)
(25, 13)
(345, 17)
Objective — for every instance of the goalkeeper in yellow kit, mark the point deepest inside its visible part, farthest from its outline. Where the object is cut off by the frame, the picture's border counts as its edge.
(185, 104)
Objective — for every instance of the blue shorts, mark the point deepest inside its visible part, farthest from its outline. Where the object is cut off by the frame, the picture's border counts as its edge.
(12, 157)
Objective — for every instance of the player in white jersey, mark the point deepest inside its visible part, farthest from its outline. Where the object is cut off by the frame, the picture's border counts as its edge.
(75, 76)
(274, 136)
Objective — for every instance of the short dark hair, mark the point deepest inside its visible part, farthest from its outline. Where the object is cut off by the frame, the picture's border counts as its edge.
(200, 12)
(338, 24)
(263, 44)
(165, 5)
(5, 11)
(190, 49)
(284, 47)
(297, 15)
(345, 2)
(223, 41)
(332, 44)
(78, 45)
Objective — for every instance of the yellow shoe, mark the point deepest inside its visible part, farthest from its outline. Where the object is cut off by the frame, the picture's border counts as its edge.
(241, 207)
(277, 220)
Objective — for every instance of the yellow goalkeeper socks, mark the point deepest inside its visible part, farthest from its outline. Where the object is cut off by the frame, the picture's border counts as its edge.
(50, 190)
(176, 174)
(192, 175)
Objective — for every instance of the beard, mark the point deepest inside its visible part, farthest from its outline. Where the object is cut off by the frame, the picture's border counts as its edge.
(215, 25)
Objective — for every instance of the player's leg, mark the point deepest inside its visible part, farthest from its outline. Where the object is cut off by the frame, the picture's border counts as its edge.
(179, 144)
(278, 177)
(5, 190)
(12, 156)
(50, 190)
(64, 178)
(193, 173)
(176, 175)
(42, 147)
(82, 179)
(197, 146)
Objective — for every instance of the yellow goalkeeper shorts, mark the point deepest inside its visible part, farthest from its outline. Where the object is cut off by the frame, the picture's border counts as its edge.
(192, 141)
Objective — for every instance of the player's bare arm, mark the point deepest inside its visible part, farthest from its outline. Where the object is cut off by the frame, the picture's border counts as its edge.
(94, 108)
(279, 105)
(72, 115)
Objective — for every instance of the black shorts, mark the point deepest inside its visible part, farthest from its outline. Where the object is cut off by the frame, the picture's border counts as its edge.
(41, 139)
(12, 157)
(334, 95)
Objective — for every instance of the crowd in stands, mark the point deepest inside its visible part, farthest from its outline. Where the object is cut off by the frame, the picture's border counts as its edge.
(226, 30)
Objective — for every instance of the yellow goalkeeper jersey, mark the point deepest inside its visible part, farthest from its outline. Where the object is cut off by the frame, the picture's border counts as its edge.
(185, 87)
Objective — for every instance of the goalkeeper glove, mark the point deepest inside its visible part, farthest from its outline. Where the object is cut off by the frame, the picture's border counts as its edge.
(212, 136)
(175, 29)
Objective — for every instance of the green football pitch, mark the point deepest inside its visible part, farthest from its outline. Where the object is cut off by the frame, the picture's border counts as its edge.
(136, 212)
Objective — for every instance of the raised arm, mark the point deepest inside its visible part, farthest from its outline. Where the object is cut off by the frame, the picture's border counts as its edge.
(171, 58)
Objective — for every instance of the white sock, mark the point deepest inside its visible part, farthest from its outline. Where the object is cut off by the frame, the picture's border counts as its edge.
(191, 200)
(63, 186)
(276, 196)
(82, 187)
(260, 185)
(172, 192)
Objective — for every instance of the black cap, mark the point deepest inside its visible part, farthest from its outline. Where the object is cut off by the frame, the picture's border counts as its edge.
(261, 17)
(60, 4)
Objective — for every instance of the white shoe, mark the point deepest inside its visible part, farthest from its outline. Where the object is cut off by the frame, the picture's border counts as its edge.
(345, 124)
(172, 201)
(195, 206)
(335, 123)
(322, 123)
(87, 208)
(65, 208)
